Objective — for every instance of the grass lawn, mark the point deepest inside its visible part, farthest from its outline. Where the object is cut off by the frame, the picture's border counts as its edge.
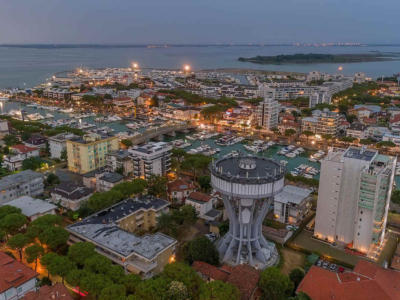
(291, 259)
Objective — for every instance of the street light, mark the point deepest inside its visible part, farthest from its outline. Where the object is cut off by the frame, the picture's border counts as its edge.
(186, 68)
(135, 65)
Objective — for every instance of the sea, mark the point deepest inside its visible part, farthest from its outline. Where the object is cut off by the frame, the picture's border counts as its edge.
(27, 66)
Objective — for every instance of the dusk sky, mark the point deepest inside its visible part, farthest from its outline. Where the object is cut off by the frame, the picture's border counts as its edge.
(199, 21)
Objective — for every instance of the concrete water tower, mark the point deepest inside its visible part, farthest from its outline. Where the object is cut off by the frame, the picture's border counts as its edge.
(247, 185)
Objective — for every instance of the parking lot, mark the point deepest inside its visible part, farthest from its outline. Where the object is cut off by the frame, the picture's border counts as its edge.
(329, 266)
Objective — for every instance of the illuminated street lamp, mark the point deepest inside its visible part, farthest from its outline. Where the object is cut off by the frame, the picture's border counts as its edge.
(135, 65)
(186, 68)
(340, 68)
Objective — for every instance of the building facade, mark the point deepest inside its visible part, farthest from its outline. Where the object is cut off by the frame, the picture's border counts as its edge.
(58, 144)
(268, 111)
(151, 159)
(353, 198)
(89, 152)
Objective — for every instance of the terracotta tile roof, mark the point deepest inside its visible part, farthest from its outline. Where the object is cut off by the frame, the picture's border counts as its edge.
(13, 273)
(23, 148)
(367, 281)
(55, 292)
(179, 185)
(210, 271)
(244, 277)
(199, 196)
(395, 119)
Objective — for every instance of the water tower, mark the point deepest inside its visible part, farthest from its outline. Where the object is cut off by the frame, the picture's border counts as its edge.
(247, 185)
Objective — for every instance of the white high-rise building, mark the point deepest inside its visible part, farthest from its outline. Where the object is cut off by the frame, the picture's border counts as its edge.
(353, 198)
(268, 110)
(151, 159)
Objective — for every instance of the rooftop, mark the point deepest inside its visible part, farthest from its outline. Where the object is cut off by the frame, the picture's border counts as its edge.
(72, 191)
(18, 178)
(360, 153)
(248, 169)
(55, 292)
(31, 206)
(292, 194)
(150, 148)
(21, 148)
(111, 177)
(367, 281)
(13, 273)
(199, 197)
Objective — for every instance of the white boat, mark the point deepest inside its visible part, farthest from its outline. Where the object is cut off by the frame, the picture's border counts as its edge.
(290, 155)
(49, 116)
(67, 110)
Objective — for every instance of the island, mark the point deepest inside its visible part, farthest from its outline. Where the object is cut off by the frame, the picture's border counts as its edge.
(315, 58)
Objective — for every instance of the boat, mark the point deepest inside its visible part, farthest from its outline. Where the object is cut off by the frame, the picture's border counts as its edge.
(284, 162)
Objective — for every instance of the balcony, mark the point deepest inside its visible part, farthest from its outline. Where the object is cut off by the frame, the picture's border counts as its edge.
(140, 265)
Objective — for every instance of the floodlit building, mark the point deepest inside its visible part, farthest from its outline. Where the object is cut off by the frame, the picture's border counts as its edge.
(151, 159)
(112, 232)
(24, 183)
(323, 122)
(247, 186)
(268, 110)
(89, 152)
(353, 198)
(292, 204)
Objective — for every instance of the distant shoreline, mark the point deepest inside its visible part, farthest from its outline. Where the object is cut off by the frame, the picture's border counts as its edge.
(316, 58)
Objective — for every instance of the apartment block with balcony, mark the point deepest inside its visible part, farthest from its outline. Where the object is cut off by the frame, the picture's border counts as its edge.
(151, 159)
(353, 198)
(89, 152)
(112, 231)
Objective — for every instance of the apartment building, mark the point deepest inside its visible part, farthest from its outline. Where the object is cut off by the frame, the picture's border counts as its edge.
(18, 153)
(24, 183)
(89, 152)
(112, 231)
(353, 198)
(119, 160)
(268, 110)
(151, 159)
(58, 144)
(70, 195)
(322, 122)
(60, 94)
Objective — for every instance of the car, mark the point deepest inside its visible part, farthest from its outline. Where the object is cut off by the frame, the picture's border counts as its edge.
(319, 262)
(325, 265)
(333, 267)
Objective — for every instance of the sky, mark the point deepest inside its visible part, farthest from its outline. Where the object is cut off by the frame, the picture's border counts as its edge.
(198, 21)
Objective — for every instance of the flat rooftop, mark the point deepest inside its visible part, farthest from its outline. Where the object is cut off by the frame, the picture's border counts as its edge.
(102, 228)
(30, 206)
(18, 178)
(150, 148)
(360, 153)
(292, 194)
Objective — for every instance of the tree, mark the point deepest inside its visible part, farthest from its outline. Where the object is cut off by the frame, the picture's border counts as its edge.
(7, 210)
(54, 237)
(79, 252)
(52, 179)
(58, 265)
(97, 264)
(131, 281)
(116, 273)
(383, 144)
(157, 186)
(32, 163)
(33, 253)
(127, 143)
(202, 249)
(290, 132)
(189, 214)
(64, 155)
(177, 291)
(48, 220)
(296, 275)
(113, 292)
(10, 140)
(275, 285)
(13, 222)
(152, 289)
(18, 242)
(183, 273)
(95, 283)
(204, 182)
(396, 196)
(219, 290)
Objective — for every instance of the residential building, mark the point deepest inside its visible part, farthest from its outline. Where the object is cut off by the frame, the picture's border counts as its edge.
(107, 180)
(119, 160)
(319, 98)
(58, 144)
(112, 232)
(151, 159)
(60, 94)
(357, 130)
(123, 102)
(16, 279)
(393, 137)
(179, 189)
(268, 112)
(24, 183)
(70, 195)
(323, 122)
(244, 277)
(4, 130)
(37, 141)
(33, 208)
(367, 281)
(89, 152)
(46, 292)
(18, 153)
(203, 203)
(292, 204)
(353, 198)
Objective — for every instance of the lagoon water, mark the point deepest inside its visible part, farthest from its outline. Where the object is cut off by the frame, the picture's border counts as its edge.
(27, 66)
